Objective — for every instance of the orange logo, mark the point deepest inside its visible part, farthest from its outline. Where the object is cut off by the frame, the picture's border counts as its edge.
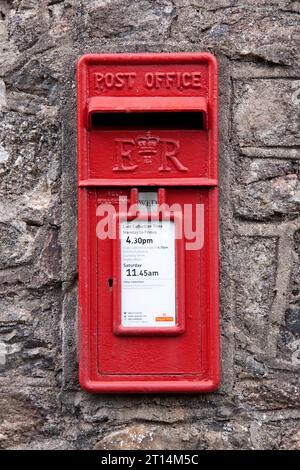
(164, 318)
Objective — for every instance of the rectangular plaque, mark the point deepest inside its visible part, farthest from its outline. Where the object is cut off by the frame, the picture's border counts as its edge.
(148, 274)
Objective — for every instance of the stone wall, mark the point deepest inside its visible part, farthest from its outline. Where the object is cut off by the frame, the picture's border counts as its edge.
(257, 45)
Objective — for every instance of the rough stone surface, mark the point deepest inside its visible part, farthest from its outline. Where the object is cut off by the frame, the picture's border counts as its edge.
(258, 404)
(266, 112)
(267, 189)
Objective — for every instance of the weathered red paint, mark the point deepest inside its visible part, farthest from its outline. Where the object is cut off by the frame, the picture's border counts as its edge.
(110, 164)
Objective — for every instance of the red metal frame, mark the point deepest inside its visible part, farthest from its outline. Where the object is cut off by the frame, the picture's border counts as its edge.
(97, 370)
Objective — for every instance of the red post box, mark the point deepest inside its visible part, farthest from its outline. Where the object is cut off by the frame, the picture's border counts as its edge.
(148, 223)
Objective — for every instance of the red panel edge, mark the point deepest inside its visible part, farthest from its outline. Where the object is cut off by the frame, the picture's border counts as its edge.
(169, 386)
(148, 182)
(146, 57)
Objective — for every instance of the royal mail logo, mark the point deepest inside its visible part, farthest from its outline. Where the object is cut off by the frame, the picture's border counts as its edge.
(148, 149)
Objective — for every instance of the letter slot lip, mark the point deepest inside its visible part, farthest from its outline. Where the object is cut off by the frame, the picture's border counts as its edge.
(147, 104)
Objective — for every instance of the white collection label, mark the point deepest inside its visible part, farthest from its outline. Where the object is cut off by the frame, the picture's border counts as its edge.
(148, 274)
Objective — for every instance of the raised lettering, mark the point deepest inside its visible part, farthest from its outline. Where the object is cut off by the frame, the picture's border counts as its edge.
(98, 79)
(124, 162)
(131, 79)
(149, 80)
(186, 80)
(196, 79)
(120, 82)
(169, 152)
(170, 79)
(109, 80)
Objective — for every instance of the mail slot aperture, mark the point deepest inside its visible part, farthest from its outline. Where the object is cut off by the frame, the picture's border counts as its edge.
(151, 112)
(148, 120)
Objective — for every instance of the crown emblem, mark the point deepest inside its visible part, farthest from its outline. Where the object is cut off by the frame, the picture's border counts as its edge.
(147, 146)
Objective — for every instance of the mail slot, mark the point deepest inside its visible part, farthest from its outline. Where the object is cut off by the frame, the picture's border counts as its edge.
(148, 223)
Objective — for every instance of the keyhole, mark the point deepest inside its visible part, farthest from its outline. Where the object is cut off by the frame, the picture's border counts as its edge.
(110, 282)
